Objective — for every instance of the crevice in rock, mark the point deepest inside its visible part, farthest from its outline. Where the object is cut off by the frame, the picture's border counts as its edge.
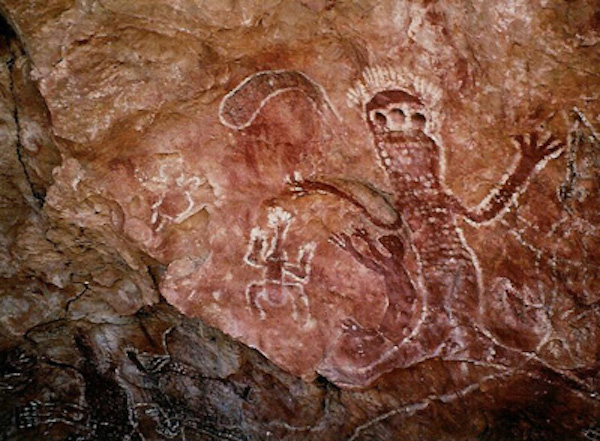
(9, 35)
(78, 296)
(154, 276)
(36, 194)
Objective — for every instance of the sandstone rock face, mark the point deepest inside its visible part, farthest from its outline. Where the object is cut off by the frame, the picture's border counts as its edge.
(292, 220)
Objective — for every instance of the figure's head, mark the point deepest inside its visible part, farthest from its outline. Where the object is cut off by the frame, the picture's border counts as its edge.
(398, 121)
(398, 113)
(397, 100)
(402, 111)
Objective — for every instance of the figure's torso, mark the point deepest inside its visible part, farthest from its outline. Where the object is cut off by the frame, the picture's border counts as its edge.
(432, 223)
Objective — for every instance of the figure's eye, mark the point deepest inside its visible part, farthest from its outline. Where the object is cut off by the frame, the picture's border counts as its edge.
(419, 119)
(380, 119)
(397, 116)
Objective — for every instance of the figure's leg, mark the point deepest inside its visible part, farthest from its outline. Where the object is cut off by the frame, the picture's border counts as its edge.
(288, 288)
(255, 294)
(294, 294)
(250, 294)
(454, 314)
(302, 302)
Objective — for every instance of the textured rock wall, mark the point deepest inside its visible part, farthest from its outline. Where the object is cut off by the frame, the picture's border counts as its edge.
(297, 220)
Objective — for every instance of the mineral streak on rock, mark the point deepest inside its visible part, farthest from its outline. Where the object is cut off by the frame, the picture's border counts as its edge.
(307, 219)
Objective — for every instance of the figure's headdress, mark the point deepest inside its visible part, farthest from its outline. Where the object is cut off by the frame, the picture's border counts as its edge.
(380, 78)
(383, 78)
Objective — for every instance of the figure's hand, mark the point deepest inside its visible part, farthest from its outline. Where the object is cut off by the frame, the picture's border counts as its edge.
(341, 240)
(537, 145)
(361, 233)
(297, 186)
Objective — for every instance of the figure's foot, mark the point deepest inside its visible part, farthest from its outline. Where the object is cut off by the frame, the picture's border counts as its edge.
(359, 357)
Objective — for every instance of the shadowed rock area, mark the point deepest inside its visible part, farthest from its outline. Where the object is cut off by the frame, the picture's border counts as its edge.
(299, 220)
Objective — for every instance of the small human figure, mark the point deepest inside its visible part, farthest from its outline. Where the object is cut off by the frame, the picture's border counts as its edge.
(283, 281)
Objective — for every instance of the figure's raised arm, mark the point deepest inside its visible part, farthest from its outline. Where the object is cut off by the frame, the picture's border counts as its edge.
(535, 151)
(301, 270)
(255, 254)
(372, 203)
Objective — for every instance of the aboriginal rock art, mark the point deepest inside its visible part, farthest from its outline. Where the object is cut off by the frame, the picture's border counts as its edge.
(35, 414)
(283, 281)
(579, 196)
(431, 310)
(581, 181)
(174, 188)
(241, 106)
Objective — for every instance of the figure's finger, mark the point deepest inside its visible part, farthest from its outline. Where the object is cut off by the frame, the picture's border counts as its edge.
(297, 192)
(546, 136)
(533, 138)
(337, 240)
(519, 140)
(552, 143)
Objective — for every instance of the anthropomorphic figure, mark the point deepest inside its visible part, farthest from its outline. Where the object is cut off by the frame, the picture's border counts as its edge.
(398, 120)
(283, 281)
(401, 111)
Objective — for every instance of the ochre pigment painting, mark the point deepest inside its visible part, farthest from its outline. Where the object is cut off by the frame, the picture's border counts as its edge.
(340, 276)
(323, 220)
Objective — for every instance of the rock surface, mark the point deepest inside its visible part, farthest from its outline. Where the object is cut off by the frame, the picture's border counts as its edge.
(292, 220)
